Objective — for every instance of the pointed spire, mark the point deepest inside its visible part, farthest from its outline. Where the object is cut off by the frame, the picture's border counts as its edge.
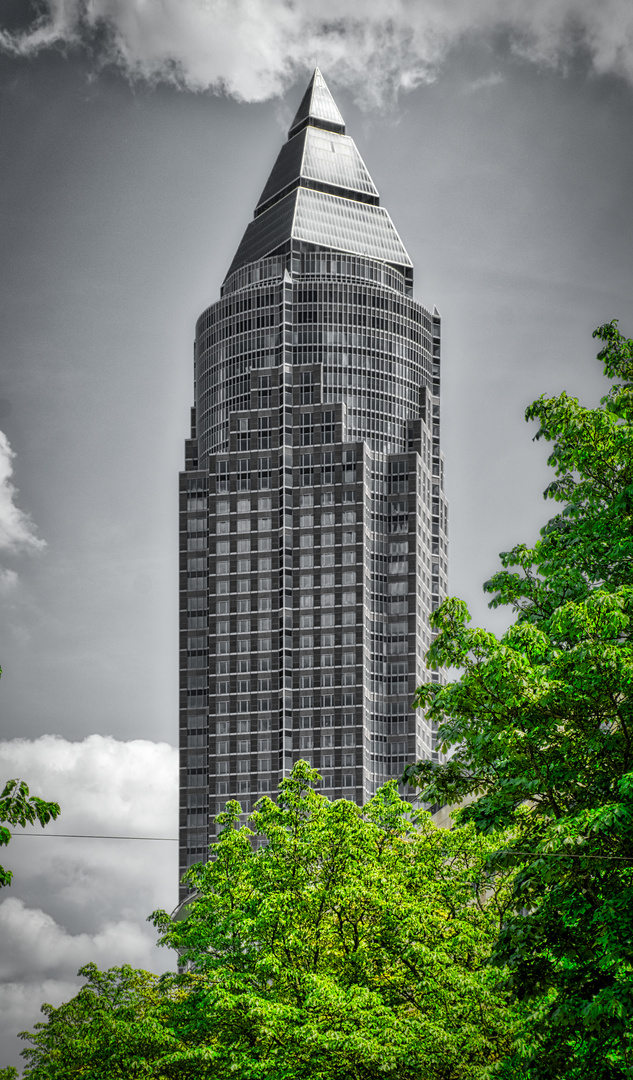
(317, 108)
(320, 193)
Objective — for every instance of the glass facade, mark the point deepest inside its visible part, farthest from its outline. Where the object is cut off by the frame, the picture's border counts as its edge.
(313, 518)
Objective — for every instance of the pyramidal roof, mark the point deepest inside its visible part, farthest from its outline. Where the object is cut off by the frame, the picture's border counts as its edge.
(320, 192)
(317, 107)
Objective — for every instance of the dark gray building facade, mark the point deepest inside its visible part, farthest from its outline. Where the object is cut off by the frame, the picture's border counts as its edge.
(313, 523)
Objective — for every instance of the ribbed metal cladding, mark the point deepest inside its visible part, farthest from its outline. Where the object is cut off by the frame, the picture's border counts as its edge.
(313, 521)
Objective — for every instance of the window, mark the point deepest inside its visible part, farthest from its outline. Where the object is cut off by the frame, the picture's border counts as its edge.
(306, 581)
(243, 525)
(349, 496)
(307, 660)
(307, 429)
(222, 728)
(327, 431)
(326, 740)
(244, 766)
(327, 539)
(242, 435)
(223, 746)
(222, 567)
(263, 584)
(349, 577)
(348, 780)
(264, 524)
(263, 745)
(307, 388)
(349, 538)
(264, 543)
(327, 581)
(264, 504)
(306, 682)
(327, 498)
(222, 667)
(221, 647)
(327, 659)
(264, 724)
(349, 678)
(243, 474)
(243, 584)
(306, 540)
(307, 472)
(327, 558)
(243, 545)
(349, 557)
(306, 601)
(306, 561)
(306, 521)
(264, 475)
(263, 432)
(349, 517)
(264, 564)
(264, 663)
(327, 519)
(264, 392)
(222, 527)
(327, 467)
(222, 476)
(306, 742)
(349, 598)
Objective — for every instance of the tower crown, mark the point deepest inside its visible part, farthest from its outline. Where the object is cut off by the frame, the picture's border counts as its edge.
(320, 193)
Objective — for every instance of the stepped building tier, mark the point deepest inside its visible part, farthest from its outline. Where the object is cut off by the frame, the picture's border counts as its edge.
(313, 522)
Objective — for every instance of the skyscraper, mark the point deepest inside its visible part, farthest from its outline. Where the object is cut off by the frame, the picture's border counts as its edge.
(313, 523)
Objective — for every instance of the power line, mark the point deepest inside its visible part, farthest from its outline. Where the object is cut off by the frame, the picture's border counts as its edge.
(174, 840)
(95, 836)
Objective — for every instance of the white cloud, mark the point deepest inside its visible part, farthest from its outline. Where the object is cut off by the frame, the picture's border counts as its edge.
(17, 532)
(252, 49)
(73, 901)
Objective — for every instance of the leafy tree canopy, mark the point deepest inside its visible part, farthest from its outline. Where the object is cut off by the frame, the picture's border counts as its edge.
(329, 941)
(539, 735)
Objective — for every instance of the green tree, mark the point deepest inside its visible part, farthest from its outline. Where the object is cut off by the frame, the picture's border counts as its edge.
(345, 943)
(17, 807)
(539, 733)
(116, 1027)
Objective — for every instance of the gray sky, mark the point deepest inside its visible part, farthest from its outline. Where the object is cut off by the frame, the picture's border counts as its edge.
(134, 151)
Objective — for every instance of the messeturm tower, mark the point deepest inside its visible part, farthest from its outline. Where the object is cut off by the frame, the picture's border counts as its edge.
(313, 523)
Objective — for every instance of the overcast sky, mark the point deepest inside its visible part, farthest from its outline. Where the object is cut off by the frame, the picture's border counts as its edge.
(135, 141)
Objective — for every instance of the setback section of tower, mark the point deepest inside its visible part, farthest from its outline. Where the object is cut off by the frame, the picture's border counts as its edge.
(313, 537)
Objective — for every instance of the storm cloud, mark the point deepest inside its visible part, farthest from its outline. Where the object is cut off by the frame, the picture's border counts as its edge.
(254, 49)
